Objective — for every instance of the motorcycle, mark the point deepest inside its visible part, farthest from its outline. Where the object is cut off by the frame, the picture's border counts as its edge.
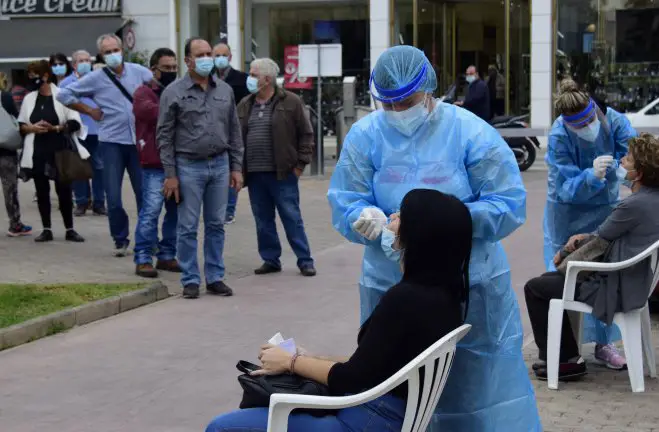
(524, 148)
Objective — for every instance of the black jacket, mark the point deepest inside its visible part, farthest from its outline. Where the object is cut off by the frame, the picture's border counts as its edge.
(238, 82)
(478, 99)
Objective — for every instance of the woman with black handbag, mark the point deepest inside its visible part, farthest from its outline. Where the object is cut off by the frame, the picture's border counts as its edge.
(46, 124)
(429, 302)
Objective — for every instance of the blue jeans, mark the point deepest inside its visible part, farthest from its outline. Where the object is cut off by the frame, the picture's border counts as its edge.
(81, 189)
(118, 158)
(384, 414)
(231, 205)
(146, 233)
(202, 182)
(266, 194)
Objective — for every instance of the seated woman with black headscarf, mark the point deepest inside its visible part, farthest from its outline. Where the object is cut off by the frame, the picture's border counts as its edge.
(632, 227)
(429, 302)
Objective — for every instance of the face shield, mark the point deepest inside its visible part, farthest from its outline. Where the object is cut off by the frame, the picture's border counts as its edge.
(589, 123)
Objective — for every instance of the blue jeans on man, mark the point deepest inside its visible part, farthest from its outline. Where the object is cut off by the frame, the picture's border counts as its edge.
(82, 190)
(231, 205)
(267, 193)
(117, 159)
(146, 232)
(202, 183)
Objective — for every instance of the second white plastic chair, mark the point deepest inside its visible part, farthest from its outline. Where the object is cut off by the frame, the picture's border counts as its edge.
(634, 325)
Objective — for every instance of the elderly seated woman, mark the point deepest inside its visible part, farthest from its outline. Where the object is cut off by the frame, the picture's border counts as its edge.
(426, 305)
(631, 228)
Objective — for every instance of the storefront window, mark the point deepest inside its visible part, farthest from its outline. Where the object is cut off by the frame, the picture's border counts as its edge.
(403, 22)
(213, 22)
(610, 48)
(520, 57)
(346, 24)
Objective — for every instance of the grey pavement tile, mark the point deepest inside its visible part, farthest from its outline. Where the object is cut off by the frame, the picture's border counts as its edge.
(170, 365)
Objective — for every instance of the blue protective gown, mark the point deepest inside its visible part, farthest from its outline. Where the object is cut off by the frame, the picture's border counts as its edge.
(577, 201)
(457, 153)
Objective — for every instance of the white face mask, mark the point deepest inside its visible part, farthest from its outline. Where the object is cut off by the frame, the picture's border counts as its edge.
(590, 131)
(409, 121)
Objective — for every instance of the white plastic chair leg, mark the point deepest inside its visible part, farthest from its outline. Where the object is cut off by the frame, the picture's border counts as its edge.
(648, 344)
(579, 336)
(630, 327)
(554, 328)
(278, 419)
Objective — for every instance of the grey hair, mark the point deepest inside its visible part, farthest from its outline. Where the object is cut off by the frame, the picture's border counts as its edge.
(79, 53)
(570, 99)
(101, 38)
(266, 67)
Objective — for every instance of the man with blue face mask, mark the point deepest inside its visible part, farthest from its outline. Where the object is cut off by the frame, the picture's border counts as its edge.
(237, 81)
(278, 139)
(201, 151)
(112, 89)
(416, 142)
(478, 95)
(84, 194)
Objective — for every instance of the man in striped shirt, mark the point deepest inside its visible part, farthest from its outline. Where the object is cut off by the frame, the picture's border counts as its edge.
(278, 141)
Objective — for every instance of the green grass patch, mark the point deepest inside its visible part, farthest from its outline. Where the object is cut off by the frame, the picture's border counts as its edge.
(19, 303)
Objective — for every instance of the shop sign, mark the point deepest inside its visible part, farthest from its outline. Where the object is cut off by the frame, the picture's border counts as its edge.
(291, 63)
(58, 8)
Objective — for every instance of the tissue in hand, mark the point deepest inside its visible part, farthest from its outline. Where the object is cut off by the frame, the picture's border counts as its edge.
(287, 345)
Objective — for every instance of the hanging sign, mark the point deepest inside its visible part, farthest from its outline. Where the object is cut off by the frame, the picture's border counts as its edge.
(291, 64)
(59, 8)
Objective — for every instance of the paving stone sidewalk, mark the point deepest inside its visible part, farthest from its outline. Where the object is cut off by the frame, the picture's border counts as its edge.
(24, 261)
(602, 401)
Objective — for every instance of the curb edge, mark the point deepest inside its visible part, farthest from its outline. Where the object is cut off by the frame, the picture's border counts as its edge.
(66, 319)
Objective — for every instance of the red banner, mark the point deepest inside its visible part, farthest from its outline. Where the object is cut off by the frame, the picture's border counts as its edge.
(291, 80)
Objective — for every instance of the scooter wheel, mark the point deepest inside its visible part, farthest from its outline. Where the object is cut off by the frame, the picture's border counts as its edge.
(525, 155)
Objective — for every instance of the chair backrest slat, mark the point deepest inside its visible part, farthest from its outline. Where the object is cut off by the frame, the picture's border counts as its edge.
(443, 365)
(412, 400)
(655, 269)
(435, 364)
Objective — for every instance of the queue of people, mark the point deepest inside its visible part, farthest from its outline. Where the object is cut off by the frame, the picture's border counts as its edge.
(127, 118)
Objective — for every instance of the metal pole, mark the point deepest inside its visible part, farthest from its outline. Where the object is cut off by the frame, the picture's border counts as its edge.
(319, 119)
(507, 55)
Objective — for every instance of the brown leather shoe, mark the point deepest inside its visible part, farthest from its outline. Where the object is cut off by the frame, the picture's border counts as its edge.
(146, 270)
(169, 265)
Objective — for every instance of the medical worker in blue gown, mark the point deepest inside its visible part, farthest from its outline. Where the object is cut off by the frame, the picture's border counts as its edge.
(413, 142)
(583, 156)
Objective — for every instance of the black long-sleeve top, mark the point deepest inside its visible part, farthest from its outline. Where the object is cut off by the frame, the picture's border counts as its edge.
(409, 319)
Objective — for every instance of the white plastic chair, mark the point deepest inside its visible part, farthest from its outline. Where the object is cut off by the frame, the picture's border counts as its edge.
(421, 402)
(634, 325)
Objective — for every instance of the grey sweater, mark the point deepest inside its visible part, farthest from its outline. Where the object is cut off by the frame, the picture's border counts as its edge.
(632, 227)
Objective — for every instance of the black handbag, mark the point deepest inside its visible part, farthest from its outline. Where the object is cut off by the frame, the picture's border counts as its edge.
(70, 166)
(257, 389)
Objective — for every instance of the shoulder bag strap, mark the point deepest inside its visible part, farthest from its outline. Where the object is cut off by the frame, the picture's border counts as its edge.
(116, 82)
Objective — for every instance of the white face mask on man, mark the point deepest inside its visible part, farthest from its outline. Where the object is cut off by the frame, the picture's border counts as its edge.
(409, 121)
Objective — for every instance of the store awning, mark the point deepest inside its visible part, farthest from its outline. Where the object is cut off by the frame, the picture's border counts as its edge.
(39, 37)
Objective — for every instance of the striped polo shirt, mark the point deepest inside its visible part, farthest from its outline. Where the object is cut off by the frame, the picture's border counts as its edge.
(259, 151)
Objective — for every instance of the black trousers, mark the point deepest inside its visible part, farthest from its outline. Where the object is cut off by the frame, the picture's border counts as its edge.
(65, 196)
(538, 292)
